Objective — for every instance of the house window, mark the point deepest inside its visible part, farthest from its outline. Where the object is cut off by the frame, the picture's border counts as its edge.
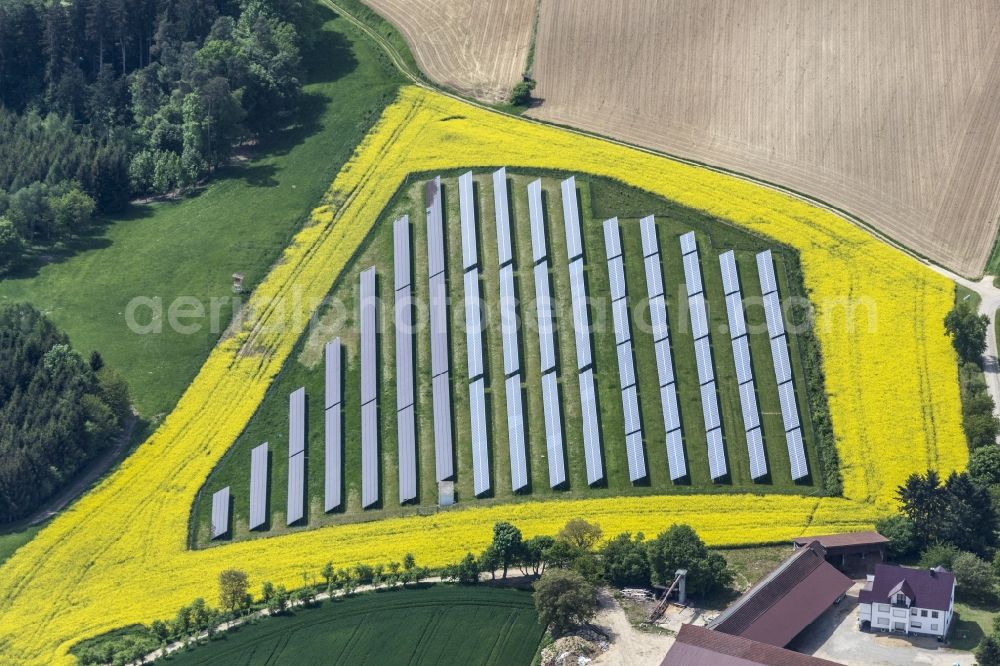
(934, 627)
(915, 625)
(923, 613)
(913, 611)
(900, 598)
(883, 620)
(883, 608)
(934, 614)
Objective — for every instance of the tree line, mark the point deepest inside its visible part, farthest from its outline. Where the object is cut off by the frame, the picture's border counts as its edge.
(57, 411)
(568, 568)
(105, 100)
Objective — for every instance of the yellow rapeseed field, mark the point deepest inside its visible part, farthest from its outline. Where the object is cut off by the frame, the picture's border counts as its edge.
(119, 555)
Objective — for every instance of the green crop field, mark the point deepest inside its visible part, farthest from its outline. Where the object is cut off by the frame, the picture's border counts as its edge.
(435, 625)
(240, 222)
(599, 199)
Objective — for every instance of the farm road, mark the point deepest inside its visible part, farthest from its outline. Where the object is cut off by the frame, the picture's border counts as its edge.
(988, 306)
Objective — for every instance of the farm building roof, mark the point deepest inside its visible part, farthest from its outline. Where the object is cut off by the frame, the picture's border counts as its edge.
(698, 646)
(787, 600)
(927, 588)
(833, 542)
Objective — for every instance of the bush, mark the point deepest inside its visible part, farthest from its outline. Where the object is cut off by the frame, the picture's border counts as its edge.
(680, 547)
(988, 652)
(521, 94)
(974, 577)
(564, 600)
(625, 561)
(899, 531)
(939, 555)
(984, 466)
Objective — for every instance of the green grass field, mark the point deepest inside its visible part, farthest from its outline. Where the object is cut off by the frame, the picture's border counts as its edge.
(434, 625)
(239, 223)
(600, 199)
(13, 540)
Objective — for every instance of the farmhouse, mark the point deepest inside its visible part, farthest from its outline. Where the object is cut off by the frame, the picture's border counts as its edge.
(698, 646)
(849, 550)
(911, 601)
(787, 600)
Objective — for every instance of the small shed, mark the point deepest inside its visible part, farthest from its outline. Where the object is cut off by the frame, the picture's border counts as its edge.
(850, 551)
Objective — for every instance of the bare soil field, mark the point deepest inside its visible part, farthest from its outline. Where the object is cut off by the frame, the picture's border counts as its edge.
(478, 47)
(889, 110)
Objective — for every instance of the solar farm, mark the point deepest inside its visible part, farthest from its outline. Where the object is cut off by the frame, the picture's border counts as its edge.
(503, 336)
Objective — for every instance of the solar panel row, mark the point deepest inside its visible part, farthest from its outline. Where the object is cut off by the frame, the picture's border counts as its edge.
(296, 488)
(369, 403)
(334, 436)
(508, 328)
(744, 371)
(258, 486)
(474, 339)
(553, 430)
(369, 307)
(626, 364)
(333, 381)
(435, 227)
(515, 433)
(537, 217)
(333, 428)
(508, 321)
(441, 394)
(782, 366)
(730, 277)
(220, 513)
(765, 268)
(591, 427)
(661, 341)
(703, 356)
(467, 213)
(402, 268)
(369, 455)
(545, 315)
(581, 322)
(296, 421)
(571, 219)
(296, 455)
(688, 243)
(473, 324)
(480, 437)
(438, 302)
(612, 239)
(406, 434)
(501, 209)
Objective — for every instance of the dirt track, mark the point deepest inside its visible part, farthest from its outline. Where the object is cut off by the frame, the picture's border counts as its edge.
(889, 110)
(478, 47)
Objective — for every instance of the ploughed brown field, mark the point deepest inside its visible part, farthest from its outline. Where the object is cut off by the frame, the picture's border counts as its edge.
(478, 47)
(888, 110)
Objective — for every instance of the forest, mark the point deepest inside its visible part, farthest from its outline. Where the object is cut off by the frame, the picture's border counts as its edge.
(104, 101)
(57, 410)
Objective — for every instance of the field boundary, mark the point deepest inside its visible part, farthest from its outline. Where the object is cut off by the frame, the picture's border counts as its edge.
(807, 198)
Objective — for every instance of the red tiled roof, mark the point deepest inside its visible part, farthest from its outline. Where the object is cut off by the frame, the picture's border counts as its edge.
(785, 602)
(926, 590)
(845, 539)
(698, 646)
